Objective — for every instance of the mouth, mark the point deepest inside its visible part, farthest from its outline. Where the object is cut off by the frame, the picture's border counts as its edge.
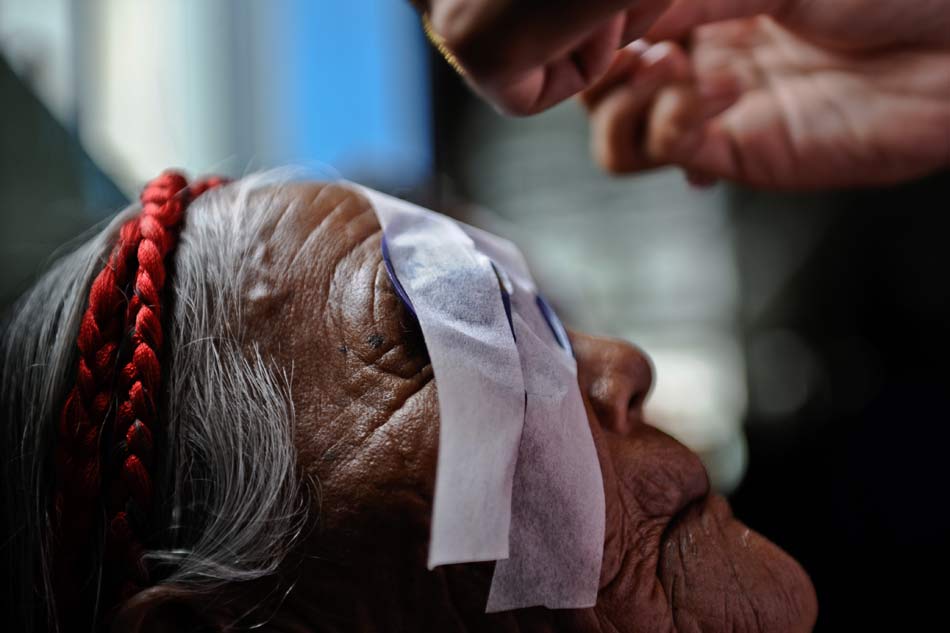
(709, 505)
(682, 543)
(680, 536)
(718, 574)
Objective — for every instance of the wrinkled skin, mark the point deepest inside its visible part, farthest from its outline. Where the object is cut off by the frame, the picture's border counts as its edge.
(524, 57)
(367, 431)
(822, 94)
(781, 94)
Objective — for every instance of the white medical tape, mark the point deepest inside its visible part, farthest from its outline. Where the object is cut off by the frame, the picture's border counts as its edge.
(518, 480)
(455, 295)
(558, 512)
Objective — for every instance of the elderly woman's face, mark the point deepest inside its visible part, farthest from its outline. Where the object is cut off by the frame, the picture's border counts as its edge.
(367, 433)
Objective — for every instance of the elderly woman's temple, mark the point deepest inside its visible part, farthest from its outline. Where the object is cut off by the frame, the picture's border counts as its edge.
(221, 413)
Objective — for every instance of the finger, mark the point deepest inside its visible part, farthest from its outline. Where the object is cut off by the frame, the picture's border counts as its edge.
(585, 66)
(619, 118)
(509, 37)
(679, 117)
(685, 15)
(700, 179)
(718, 87)
(625, 63)
(641, 17)
(617, 129)
(595, 55)
(559, 79)
(747, 143)
(674, 124)
(669, 60)
(640, 61)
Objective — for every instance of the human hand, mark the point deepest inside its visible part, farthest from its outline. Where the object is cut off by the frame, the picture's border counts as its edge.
(525, 56)
(816, 100)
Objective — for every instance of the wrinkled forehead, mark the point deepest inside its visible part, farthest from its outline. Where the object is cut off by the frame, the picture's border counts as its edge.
(321, 251)
(317, 235)
(312, 226)
(302, 261)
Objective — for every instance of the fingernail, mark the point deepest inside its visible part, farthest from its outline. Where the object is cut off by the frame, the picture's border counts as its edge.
(638, 47)
(657, 52)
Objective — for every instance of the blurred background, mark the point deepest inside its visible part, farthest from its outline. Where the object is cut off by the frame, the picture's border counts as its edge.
(800, 341)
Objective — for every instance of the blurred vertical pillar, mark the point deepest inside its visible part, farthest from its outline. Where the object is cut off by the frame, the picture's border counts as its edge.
(153, 85)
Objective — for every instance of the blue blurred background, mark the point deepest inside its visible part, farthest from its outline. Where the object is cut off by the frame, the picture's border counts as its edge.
(231, 85)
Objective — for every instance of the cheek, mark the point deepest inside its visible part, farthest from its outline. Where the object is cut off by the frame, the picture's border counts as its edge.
(614, 548)
(648, 478)
(369, 432)
(658, 476)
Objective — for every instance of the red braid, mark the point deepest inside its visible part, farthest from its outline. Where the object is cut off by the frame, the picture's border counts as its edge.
(137, 263)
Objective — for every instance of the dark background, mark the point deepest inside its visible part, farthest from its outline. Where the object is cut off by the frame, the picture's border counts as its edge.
(855, 487)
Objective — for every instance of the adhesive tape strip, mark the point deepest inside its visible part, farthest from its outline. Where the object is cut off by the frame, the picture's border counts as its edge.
(454, 292)
(517, 463)
(558, 509)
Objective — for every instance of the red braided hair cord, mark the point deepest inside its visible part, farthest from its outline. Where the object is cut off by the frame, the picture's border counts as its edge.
(124, 301)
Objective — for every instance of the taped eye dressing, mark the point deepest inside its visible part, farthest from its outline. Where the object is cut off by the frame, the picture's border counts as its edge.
(400, 291)
(557, 328)
(517, 480)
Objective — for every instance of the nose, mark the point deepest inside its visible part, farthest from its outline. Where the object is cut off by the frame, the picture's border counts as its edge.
(617, 378)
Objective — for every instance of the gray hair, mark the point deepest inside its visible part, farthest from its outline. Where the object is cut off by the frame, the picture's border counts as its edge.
(231, 498)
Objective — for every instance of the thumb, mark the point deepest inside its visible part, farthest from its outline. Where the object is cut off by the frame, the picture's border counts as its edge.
(685, 15)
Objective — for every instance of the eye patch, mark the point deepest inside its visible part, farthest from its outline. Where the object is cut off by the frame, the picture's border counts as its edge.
(404, 297)
(557, 328)
(394, 280)
(517, 481)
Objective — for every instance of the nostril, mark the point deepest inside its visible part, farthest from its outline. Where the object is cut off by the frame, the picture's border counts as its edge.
(617, 377)
(618, 402)
(635, 406)
(640, 371)
(624, 387)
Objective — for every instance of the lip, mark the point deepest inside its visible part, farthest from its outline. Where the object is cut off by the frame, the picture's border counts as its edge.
(700, 502)
(698, 513)
(709, 504)
(692, 516)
